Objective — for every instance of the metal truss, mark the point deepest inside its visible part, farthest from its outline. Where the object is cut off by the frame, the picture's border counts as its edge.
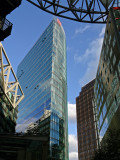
(90, 11)
(12, 89)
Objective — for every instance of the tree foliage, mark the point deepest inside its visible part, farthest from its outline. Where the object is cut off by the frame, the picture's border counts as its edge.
(110, 147)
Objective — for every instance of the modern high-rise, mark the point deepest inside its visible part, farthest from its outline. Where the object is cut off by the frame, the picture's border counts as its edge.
(42, 75)
(86, 124)
(107, 84)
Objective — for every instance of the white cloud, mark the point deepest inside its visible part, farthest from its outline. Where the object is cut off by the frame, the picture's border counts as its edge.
(72, 113)
(91, 58)
(73, 147)
(72, 143)
(25, 123)
(102, 32)
(69, 48)
(92, 52)
(81, 29)
(73, 156)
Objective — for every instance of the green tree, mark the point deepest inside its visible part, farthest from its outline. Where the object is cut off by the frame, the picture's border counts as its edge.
(110, 147)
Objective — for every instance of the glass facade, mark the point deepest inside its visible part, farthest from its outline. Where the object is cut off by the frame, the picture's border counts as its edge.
(107, 84)
(42, 75)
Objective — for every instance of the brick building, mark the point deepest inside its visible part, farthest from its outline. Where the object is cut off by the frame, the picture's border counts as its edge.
(86, 132)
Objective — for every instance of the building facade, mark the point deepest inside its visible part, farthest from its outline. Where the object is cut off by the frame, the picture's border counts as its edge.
(107, 84)
(86, 124)
(42, 75)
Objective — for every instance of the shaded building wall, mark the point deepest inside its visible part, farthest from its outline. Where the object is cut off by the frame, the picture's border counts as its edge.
(86, 130)
(107, 84)
(23, 147)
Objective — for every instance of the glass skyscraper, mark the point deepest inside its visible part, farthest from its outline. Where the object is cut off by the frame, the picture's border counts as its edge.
(107, 84)
(42, 75)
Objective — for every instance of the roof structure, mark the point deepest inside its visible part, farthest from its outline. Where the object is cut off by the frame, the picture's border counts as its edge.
(89, 11)
(8, 80)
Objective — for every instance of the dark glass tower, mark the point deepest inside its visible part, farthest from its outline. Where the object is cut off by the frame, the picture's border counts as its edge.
(107, 84)
(42, 75)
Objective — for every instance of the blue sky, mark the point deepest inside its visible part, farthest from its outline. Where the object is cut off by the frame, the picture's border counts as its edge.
(83, 49)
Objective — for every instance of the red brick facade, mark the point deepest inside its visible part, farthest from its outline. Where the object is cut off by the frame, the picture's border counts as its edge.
(85, 122)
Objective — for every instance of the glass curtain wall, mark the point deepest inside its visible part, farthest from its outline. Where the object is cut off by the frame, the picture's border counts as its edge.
(42, 75)
(107, 88)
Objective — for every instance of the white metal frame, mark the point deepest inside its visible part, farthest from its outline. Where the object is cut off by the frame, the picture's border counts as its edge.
(7, 85)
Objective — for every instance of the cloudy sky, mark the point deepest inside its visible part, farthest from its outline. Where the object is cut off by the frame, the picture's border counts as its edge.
(84, 43)
(85, 63)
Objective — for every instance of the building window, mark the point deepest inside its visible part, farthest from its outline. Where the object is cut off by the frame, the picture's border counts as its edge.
(114, 60)
(111, 69)
(103, 65)
(107, 31)
(109, 22)
(107, 48)
(103, 52)
(118, 96)
(108, 62)
(105, 70)
(101, 119)
(119, 67)
(115, 100)
(114, 83)
(109, 39)
(114, 41)
(111, 51)
(104, 110)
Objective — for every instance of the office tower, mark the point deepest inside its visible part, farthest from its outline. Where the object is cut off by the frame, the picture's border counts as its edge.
(42, 75)
(107, 84)
(86, 125)
(10, 94)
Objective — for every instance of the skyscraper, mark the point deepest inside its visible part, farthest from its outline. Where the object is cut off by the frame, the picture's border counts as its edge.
(42, 75)
(107, 84)
(86, 124)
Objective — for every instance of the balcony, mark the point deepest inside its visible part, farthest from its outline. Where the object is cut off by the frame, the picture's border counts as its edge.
(7, 6)
(5, 28)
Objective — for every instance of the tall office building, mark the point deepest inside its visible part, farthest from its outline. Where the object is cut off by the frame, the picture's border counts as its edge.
(107, 84)
(42, 75)
(86, 124)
